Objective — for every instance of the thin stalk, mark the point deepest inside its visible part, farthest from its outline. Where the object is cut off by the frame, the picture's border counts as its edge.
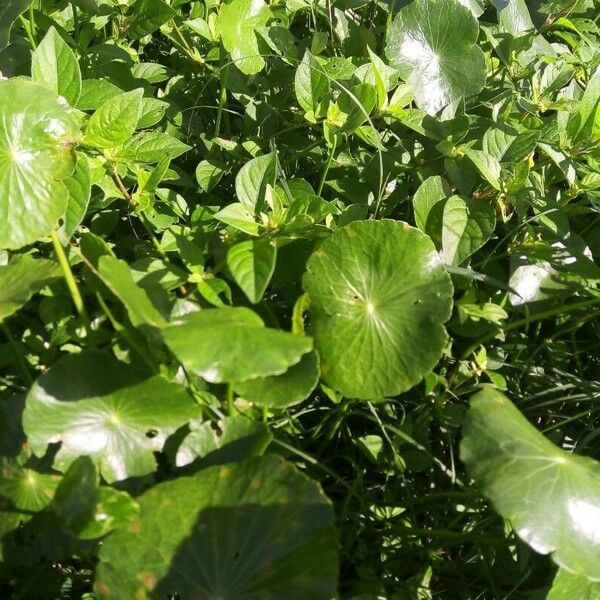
(224, 79)
(75, 17)
(229, 400)
(20, 362)
(27, 28)
(71, 282)
(552, 312)
(327, 165)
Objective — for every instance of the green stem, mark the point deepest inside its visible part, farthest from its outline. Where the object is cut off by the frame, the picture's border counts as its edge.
(229, 398)
(224, 79)
(75, 17)
(71, 282)
(20, 361)
(327, 165)
(27, 28)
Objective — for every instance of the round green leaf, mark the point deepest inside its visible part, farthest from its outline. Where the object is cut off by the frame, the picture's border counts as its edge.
(551, 497)
(97, 406)
(232, 344)
(432, 43)
(37, 132)
(287, 389)
(379, 295)
(258, 529)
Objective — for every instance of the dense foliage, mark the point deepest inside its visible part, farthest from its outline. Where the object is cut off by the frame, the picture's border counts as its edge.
(299, 299)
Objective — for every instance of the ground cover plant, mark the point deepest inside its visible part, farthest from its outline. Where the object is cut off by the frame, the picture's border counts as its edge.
(299, 299)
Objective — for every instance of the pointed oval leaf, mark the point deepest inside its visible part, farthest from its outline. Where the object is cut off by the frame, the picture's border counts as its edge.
(432, 43)
(37, 133)
(146, 16)
(311, 83)
(232, 344)
(379, 297)
(551, 497)
(79, 185)
(252, 180)
(467, 225)
(55, 66)
(251, 263)
(97, 406)
(238, 21)
(259, 529)
(115, 121)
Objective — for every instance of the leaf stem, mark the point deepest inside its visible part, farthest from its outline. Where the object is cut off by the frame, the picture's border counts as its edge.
(327, 165)
(26, 26)
(20, 362)
(71, 282)
(224, 79)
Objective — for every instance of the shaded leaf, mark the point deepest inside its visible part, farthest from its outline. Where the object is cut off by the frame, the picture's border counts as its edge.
(234, 531)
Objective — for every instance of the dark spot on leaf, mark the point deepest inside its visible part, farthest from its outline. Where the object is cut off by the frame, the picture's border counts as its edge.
(152, 433)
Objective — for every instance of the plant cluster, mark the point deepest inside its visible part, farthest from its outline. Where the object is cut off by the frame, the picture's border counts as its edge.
(270, 272)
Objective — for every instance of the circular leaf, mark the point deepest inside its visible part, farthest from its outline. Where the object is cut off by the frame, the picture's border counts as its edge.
(258, 529)
(97, 406)
(379, 296)
(37, 132)
(551, 497)
(432, 43)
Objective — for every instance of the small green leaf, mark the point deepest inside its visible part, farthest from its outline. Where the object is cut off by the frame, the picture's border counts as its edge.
(374, 287)
(54, 66)
(551, 497)
(37, 133)
(487, 165)
(232, 344)
(238, 21)
(251, 263)
(115, 121)
(259, 529)
(97, 406)
(151, 147)
(79, 186)
(428, 203)
(252, 179)
(285, 390)
(146, 16)
(22, 277)
(310, 83)
(433, 45)
(117, 276)
(240, 217)
(10, 10)
(208, 174)
(467, 225)
(583, 124)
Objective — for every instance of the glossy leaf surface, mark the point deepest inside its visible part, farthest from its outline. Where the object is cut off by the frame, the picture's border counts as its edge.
(432, 43)
(111, 413)
(374, 288)
(37, 132)
(551, 497)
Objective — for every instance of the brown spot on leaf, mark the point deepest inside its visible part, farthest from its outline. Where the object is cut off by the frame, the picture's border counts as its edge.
(102, 588)
(148, 578)
(135, 527)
